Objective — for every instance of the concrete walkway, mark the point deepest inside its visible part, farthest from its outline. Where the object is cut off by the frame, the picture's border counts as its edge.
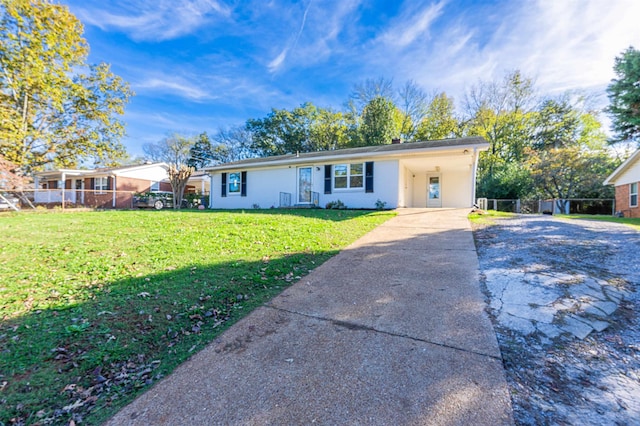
(390, 331)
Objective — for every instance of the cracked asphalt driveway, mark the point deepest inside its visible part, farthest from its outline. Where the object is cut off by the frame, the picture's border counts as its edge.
(562, 295)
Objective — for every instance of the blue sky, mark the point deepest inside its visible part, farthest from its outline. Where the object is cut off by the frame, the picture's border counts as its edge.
(198, 65)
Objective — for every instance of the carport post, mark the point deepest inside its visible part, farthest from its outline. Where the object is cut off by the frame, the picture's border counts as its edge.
(64, 182)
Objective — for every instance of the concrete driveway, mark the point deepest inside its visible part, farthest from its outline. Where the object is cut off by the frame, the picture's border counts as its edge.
(390, 331)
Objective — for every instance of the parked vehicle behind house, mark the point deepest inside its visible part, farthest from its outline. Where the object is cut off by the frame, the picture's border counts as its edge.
(160, 200)
(157, 200)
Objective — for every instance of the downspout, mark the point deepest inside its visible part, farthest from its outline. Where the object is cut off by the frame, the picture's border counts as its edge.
(473, 176)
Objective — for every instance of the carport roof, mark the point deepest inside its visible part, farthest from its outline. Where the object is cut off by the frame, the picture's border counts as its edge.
(390, 150)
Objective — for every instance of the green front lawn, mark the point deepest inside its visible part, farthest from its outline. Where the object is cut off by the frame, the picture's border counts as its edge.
(98, 306)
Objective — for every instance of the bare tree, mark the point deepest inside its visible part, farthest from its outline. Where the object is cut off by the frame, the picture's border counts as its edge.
(413, 103)
(363, 93)
(173, 149)
(179, 176)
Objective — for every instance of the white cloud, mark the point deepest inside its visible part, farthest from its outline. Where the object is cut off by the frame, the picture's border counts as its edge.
(155, 20)
(176, 86)
(412, 25)
(563, 45)
(275, 64)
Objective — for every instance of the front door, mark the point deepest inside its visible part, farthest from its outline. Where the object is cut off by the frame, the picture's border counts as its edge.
(434, 195)
(304, 185)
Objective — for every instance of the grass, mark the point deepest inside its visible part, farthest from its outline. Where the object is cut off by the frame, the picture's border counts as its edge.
(97, 306)
(632, 222)
(487, 218)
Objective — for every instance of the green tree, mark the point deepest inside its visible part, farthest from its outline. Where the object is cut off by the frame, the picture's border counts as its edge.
(54, 108)
(439, 121)
(283, 131)
(329, 130)
(201, 153)
(624, 95)
(380, 122)
(502, 113)
(570, 172)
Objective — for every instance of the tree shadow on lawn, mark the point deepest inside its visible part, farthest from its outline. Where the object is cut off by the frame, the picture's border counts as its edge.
(97, 350)
(317, 213)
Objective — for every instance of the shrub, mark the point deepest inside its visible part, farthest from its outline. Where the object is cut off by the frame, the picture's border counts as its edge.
(336, 205)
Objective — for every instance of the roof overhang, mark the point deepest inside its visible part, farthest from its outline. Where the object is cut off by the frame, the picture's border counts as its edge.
(445, 147)
(611, 180)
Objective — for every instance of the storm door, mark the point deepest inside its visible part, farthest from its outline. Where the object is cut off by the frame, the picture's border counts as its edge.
(304, 185)
(434, 193)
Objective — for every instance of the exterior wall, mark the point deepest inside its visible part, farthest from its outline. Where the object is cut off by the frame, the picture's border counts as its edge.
(622, 202)
(632, 174)
(155, 174)
(455, 189)
(265, 185)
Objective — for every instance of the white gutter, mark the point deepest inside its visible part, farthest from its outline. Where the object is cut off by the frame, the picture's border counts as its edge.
(338, 157)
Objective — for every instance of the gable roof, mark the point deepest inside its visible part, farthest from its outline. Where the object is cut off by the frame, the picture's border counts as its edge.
(102, 171)
(611, 180)
(390, 150)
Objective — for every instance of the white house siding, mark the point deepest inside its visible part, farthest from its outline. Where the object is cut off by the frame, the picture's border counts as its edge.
(265, 185)
(385, 188)
(455, 182)
(631, 175)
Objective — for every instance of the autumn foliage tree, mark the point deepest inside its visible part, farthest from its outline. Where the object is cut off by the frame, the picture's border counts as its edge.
(54, 107)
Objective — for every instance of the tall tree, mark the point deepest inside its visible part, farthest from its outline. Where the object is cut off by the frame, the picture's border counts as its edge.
(557, 124)
(439, 121)
(363, 93)
(624, 94)
(54, 108)
(233, 144)
(570, 172)
(178, 177)
(201, 153)
(173, 149)
(380, 122)
(330, 130)
(413, 104)
(502, 113)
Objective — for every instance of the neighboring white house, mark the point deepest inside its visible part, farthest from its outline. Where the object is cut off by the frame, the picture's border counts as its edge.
(437, 173)
(626, 180)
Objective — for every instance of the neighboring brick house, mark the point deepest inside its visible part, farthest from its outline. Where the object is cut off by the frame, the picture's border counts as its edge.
(626, 180)
(100, 188)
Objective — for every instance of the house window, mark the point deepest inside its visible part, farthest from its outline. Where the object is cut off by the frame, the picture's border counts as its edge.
(155, 186)
(234, 183)
(633, 195)
(101, 184)
(346, 176)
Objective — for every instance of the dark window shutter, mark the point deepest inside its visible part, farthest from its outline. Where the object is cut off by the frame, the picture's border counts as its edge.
(109, 183)
(93, 183)
(224, 185)
(368, 176)
(327, 179)
(243, 184)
